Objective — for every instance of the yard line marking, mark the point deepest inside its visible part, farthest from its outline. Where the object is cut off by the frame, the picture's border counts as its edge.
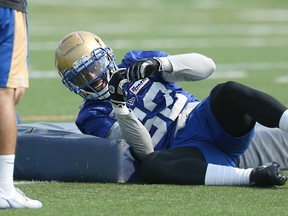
(255, 66)
(281, 80)
(264, 14)
(231, 74)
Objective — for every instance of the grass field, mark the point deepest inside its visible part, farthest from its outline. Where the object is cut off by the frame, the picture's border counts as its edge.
(248, 40)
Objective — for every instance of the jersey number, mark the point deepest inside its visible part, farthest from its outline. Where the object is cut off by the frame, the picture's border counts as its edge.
(161, 119)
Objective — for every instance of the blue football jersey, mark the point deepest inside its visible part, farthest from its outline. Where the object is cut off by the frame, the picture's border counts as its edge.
(156, 102)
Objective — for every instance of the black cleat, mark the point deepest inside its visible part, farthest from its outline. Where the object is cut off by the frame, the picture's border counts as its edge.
(267, 175)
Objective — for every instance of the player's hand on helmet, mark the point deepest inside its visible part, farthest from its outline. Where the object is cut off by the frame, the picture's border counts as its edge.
(143, 69)
(115, 87)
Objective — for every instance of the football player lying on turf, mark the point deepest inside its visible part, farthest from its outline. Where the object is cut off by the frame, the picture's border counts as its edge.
(179, 139)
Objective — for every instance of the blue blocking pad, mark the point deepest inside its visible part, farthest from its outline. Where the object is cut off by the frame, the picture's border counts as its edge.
(55, 155)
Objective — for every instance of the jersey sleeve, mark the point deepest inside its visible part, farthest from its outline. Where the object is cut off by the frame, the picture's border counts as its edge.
(93, 115)
(188, 67)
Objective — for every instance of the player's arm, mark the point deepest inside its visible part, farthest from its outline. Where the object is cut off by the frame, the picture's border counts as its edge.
(182, 67)
(114, 132)
(133, 131)
(187, 67)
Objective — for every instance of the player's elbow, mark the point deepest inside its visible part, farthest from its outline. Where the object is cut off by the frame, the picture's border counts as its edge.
(203, 68)
(210, 67)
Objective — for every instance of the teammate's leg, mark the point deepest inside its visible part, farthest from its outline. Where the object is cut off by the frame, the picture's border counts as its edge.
(13, 75)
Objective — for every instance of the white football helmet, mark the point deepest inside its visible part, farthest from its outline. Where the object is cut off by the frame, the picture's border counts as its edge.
(85, 64)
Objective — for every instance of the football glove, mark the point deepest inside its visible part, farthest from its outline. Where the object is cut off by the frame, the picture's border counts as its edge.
(115, 87)
(143, 69)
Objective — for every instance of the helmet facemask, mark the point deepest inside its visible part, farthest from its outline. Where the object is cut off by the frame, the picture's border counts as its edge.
(91, 74)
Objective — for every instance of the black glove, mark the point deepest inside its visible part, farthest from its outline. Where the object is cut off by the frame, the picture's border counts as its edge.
(143, 69)
(115, 87)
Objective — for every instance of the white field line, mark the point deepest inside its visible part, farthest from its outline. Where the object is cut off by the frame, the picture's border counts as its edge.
(281, 79)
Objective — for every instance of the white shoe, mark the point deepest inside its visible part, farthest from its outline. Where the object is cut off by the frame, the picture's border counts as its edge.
(20, 200)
